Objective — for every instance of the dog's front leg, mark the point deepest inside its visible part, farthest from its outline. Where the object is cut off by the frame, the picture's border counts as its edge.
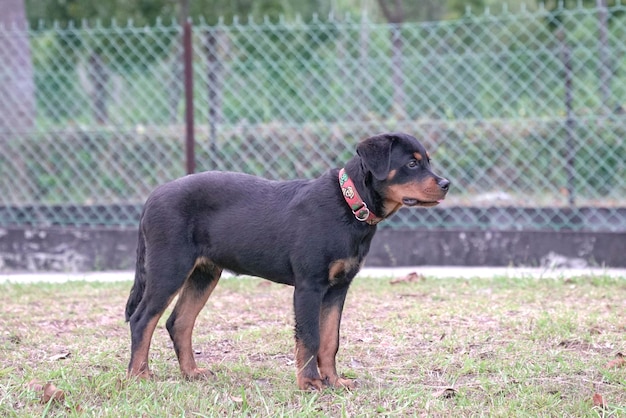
(330, 321)
(307, 303)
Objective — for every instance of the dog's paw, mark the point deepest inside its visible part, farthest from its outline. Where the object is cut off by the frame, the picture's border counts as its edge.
(333, 380)
(199, 374)
(144, 374)
(305, 383)
(341, 383)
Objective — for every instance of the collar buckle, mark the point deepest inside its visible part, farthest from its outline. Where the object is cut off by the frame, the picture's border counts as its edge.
(362, 213)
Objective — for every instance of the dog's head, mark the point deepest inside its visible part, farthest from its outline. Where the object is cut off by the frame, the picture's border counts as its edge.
(401, 167)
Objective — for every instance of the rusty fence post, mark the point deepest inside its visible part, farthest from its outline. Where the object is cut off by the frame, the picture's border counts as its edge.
(189, 124)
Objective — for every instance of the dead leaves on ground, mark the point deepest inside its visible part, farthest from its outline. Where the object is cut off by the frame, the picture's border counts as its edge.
(48, 391)
(49, 394)
(61, 356)
(412, 277)
(619, 361)
(446, 393)
(598, 401)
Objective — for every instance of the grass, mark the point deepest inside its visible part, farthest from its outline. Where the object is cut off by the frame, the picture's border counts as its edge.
(453, 347)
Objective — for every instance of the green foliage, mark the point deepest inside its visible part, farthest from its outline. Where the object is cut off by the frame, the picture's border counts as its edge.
(478, 157)
(477, 67)
(141, 12)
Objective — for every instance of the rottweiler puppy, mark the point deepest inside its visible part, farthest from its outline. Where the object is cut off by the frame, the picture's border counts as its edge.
(310, 234)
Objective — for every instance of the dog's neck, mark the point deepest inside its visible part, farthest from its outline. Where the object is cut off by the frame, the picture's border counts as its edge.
(364, 191)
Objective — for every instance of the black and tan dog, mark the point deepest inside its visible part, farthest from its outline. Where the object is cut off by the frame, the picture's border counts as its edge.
(311, 234)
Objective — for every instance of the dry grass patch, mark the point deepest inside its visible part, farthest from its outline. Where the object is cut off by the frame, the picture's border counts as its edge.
(454, 347)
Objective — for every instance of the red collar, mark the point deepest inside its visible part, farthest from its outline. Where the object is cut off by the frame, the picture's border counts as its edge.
(357, 205)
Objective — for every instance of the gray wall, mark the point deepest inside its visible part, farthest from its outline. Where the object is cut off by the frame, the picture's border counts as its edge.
(86, 249)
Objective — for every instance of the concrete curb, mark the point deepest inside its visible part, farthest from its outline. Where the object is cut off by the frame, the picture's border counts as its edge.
(427, 271)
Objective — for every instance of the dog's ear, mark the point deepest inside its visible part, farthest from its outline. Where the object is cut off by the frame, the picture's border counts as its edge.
(375, 152)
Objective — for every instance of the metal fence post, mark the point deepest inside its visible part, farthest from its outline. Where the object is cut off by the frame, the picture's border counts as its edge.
(603, 52)
(570, 145)
(189, 125)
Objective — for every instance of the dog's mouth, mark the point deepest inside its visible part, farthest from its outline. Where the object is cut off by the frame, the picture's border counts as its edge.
(407, 201)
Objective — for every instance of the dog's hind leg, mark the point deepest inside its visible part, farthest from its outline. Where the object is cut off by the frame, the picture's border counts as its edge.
(142, 325)
(163, 281)
(193, 296)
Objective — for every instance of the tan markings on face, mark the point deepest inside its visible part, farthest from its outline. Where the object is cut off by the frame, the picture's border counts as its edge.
(425, 191)
(417, 156)
(392, 174)
(391, 207)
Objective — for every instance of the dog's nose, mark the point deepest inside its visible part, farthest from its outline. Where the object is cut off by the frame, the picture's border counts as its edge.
(444, 184)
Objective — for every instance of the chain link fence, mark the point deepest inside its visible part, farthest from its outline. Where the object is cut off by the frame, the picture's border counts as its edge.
(523, 111)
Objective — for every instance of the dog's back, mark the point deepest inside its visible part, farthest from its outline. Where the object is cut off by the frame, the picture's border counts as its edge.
(242, 223)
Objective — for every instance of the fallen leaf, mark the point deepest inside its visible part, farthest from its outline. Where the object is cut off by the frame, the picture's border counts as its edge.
(598, 400)
(60, 356)
(412, 277)
(447, 393)
(595, 330)
(620, 361)
(356, 364)
(52, 392)
(262, 382)
(35, 385)
(236, 399)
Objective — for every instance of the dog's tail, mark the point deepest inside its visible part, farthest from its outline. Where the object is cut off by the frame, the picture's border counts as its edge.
(136, 292)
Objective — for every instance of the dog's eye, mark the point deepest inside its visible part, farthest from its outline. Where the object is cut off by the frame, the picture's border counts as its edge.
(412, 164)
